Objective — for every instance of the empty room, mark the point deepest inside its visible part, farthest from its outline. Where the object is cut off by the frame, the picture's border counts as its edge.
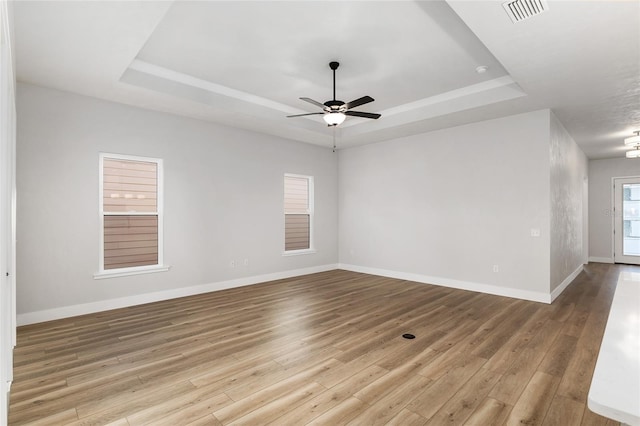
(320, 212)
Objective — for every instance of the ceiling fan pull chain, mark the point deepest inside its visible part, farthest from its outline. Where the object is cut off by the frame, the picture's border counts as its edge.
(334, 138)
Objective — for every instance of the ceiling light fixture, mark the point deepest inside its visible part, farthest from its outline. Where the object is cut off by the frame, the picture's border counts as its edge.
(634, 153)
(633, 140)
(334, 118)
(482, 69)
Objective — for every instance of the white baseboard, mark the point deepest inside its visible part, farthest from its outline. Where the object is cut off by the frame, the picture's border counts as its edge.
(564, 284)
(447, 282)
(123, 302)
(105, 305)
(601, 259)
(4, 408)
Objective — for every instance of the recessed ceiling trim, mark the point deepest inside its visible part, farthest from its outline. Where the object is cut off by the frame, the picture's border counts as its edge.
(431, 110)
(451, 95)
(177, 77)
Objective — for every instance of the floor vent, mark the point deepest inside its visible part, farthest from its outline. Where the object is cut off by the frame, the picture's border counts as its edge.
(519, 10)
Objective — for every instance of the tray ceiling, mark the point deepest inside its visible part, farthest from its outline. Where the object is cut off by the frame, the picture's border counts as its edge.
(246, 63)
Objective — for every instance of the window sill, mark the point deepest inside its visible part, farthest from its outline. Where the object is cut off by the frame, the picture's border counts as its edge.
(298, 252)
(115, 273)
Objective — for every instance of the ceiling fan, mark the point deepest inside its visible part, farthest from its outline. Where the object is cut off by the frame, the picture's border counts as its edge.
(334, 112)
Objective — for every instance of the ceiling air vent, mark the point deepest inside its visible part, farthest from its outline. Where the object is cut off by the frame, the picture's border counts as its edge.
(519, 10)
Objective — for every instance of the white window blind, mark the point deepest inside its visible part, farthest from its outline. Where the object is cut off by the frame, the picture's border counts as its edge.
(131, 214)
(298, 212)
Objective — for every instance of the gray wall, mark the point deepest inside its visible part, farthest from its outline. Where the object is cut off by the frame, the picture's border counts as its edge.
(568, 171)
(450, 204)
(223, 198)
(601, 173)
(444, 207)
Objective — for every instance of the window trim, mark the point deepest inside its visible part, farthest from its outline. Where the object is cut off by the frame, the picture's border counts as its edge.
(133, 270)
(310, 212)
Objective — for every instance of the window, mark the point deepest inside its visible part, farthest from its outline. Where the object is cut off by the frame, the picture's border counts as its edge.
(130, 215)
(298, 214)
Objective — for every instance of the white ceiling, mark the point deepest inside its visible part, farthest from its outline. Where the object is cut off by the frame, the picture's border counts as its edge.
(246, 63)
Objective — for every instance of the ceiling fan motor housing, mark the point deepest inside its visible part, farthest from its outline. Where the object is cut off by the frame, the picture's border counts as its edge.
(336, 105)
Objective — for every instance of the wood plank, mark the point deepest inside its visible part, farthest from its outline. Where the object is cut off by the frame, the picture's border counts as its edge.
(564, 411)
(577, 376)
(387, 407)
(511, 349)
(119, 422)
(340, 414)
(407, 418)
(182, 407)
(134, 399)
(63, 417)
(489, 412)
(464, 402)
(390, 381)
(532, 407)
(558, 356)
(516, 377)
(278, 407)
(331, 397)
(264, 396)
(447, 384)
(67, 398)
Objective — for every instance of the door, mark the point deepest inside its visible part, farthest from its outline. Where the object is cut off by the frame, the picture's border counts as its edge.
(626, 225)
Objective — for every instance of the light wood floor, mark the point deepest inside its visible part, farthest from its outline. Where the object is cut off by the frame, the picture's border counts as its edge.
(324, 349)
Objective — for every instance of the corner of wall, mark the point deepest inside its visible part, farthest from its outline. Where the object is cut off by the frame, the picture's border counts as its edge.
(568, 205)
(451, 283)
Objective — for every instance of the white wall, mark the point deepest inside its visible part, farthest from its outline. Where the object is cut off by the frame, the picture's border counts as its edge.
(568, 172)
(223, 202)
(446, 206)
(601, 173)
(7, 206)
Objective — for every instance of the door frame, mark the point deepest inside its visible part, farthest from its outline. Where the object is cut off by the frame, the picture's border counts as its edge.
(617, 219)
(7, 209)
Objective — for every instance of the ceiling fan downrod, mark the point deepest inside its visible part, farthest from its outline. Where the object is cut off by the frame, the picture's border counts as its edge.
(334, 66)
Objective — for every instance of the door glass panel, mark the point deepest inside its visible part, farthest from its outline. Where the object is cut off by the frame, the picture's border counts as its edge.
(631, 219)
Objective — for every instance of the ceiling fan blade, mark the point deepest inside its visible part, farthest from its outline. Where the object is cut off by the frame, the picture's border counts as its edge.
(302, 115)
(363, 114)
(316, 103)
(361, 101)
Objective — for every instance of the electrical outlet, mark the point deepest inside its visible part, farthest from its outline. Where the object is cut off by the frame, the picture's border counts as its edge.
(246, 262)
(232, 264)
(535, 232)
(496, 268)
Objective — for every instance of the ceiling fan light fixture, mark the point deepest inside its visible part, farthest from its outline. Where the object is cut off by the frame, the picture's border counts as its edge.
(334, 118)
(633, 140)
(634, 153)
